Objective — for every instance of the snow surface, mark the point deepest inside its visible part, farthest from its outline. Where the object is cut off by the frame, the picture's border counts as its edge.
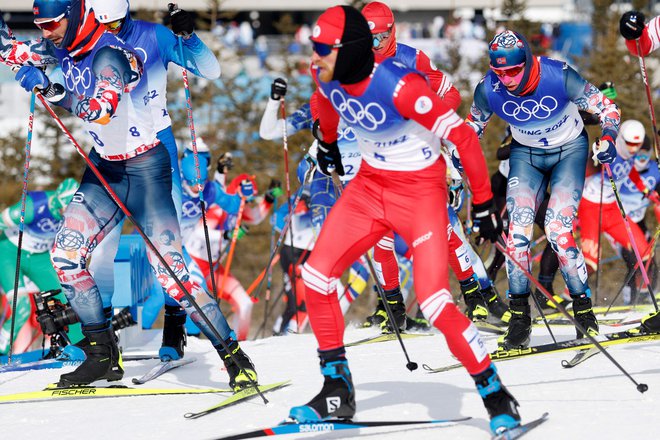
(593, 400)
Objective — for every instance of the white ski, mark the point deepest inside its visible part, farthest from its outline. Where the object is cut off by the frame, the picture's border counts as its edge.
(162, 368)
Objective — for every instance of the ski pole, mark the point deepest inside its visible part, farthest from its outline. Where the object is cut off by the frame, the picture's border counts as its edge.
(641, 387)
(269, 272)
(412, 366)
(21, 224)
(144, 236)
(232, 248)
(642, 269)
(600, 228)
(642, 68)
(193, 138)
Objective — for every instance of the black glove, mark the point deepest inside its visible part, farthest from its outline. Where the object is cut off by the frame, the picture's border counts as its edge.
(329, 158)
(487, 221)
(182, 22)
(225, 163)
(274, 191)
(278, 89)
(316, 130)
(504, 152)
(631, 25)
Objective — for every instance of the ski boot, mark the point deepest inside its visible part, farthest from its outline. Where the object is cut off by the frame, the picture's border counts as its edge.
(103, 359)
(584, 314)
(545, 303)
(174, 334)
(419, 322)
(520, 324)
(378, 317)
(240, 369)
(502, 407)
(337, 397)
(476, 306)
(650, 324)
(398, 309)
(496, 306)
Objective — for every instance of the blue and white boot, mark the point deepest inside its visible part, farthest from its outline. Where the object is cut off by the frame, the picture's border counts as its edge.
(337, 397)
(501, 405)
(174, 334)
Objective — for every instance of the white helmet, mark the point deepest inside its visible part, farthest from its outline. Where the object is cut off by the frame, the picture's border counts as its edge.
(107, 11)
(631, 133)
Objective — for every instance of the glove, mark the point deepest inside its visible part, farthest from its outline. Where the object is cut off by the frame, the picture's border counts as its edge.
(504, 152)
(242, 232)
(30, 78)
(316, 132)
(182, 22)
(225, 163)
(487, 221)
(604, 150)
(329, 158)
(274, 191)
(278, 89)
(631, 25)
(456, 195)
(246, 189)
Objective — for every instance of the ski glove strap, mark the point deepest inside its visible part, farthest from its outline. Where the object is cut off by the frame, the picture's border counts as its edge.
(329, 158)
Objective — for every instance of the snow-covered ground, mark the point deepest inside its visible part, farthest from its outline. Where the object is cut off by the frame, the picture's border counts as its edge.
(593, 400)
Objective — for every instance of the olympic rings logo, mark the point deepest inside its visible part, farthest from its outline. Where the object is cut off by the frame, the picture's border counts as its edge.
(75, 80)
(190, 209)
(369, 117)
(346, 134)
(530, 108)
(48, 225)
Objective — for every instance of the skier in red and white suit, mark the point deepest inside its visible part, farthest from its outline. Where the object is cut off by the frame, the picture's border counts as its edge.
(399, 121)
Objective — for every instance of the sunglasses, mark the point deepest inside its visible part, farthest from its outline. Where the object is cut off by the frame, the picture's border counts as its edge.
(642, 157)
(114, 25)
(50, 25)
(378, 38)
(323, 49)
(508, 71)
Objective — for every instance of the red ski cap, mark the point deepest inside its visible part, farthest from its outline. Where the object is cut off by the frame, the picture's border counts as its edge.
(329, 27)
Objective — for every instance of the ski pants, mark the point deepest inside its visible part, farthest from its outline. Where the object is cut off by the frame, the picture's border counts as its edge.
(144, 184)
(532, 170)
(376, 202)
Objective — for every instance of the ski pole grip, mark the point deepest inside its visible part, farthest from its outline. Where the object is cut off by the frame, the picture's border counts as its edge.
(172, 7)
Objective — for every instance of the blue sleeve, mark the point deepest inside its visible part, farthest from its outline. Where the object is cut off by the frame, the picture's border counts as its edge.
(301, 119)
(197, 57)
(230, 203)
(480, 111)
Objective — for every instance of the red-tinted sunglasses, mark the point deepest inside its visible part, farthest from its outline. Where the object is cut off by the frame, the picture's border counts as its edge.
(508, 71)
(50, 25)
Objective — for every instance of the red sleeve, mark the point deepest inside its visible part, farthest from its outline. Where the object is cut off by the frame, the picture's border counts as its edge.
(415, 100)
(439, 81)
(323, 110)
(644, 42)
(637, 180)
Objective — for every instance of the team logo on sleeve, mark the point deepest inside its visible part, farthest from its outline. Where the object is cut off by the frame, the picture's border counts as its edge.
(423, 105)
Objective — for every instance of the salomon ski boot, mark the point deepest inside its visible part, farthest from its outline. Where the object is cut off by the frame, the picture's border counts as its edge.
(103, 359)
(520, 325)
(174, 334)
(398, 308)
(240, 369)
(337, 397)
(502, 407)
(496, 306)
(476, 306)
(584, 314)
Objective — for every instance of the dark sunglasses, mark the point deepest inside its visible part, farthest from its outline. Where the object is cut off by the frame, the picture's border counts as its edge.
(323, 49)
(50, 25)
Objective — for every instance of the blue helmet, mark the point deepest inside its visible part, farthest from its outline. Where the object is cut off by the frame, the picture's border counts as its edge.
(50, 8)
(508, 49)
(189, 172)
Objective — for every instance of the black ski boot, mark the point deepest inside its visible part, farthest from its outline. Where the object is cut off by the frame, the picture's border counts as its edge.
(584, 314)
(496, 306)
(502, 407)
(240, 369)
(520, 324)
(650, 324)
(174, 334)
(398, 309)
(103, 359)
(419, 322)
(476, 306)
(379, 315)
(337, 397)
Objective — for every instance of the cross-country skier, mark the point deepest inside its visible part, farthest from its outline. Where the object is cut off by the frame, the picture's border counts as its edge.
(399, 121)
(634, 29)
(383, 31)
(158, 46)
(540, 99)
(43, 217)
(102, 86)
